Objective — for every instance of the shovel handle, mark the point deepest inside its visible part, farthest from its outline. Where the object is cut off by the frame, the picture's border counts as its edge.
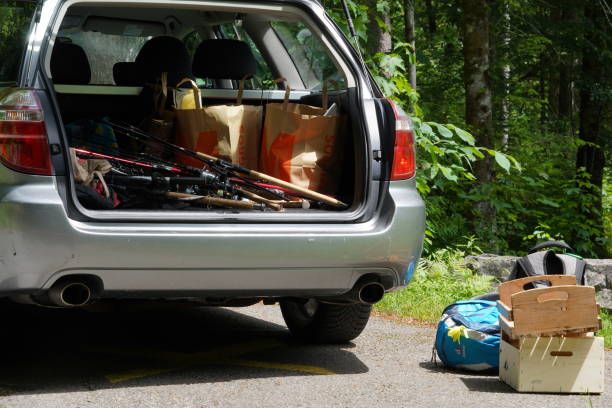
(281, 183)
(301, 190)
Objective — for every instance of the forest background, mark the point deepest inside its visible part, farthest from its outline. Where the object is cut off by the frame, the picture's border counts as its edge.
(510, 101)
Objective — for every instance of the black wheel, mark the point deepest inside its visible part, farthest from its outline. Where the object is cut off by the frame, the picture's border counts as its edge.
(323, 322)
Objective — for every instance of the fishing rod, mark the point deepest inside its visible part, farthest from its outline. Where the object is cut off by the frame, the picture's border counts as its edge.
(201, 199)
(204, 179)
(227, 168)
(138, 135)
(119, 153)
(153, 166)
(207, 179)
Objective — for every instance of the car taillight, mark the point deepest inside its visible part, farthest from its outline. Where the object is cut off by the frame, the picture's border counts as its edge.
(23, 139)
(404, 165)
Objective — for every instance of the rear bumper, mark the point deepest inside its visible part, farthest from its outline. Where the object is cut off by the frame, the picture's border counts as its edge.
(39, 244)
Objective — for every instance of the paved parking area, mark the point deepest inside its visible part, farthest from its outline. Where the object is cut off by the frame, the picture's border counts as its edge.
(143, 356)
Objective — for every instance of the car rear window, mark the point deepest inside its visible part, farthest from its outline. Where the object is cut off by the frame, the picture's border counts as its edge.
(15, 19)
(104, 51)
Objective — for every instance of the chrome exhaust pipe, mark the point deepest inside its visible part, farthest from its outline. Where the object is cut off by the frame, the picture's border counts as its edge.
(371, 293)
(70, 294)
(366, 291)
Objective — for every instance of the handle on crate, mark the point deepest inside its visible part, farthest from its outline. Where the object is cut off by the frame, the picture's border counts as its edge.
(550, 296)
(507, 289)
(561, 353)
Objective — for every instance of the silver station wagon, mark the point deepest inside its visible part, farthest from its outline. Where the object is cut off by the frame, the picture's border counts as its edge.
(70, 69)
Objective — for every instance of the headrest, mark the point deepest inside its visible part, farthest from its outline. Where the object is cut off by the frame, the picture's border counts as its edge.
(69, 64)
(127, 74)
(223, 59)
(163, 54)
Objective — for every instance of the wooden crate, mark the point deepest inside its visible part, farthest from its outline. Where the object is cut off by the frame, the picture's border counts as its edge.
(554, 364)
(561, 309)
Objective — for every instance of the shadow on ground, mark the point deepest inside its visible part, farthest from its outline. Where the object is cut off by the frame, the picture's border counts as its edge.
(487, 381)
(138, 344)
(438, 367)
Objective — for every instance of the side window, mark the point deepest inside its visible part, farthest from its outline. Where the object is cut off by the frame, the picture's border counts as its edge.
(264, 74)
(15, 18)
(309, 55)
(192, 41)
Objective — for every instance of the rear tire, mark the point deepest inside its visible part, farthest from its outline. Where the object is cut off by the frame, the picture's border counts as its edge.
(318, 322)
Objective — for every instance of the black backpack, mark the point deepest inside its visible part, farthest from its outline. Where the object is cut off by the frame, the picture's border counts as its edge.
(549, 263)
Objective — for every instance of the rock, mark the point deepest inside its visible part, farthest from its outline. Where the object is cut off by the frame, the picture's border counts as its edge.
(598, 271)
(490, 264)
(604, 298)
(595, 279)
(601, 267)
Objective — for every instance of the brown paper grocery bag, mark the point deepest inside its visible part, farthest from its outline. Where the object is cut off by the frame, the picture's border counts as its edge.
(301, 145)
(230, 132)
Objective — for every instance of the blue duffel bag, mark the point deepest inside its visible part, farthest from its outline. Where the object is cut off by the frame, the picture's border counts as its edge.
(468, 335)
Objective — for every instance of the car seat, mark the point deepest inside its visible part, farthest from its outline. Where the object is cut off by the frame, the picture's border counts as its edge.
(223, 59)
(69, 64)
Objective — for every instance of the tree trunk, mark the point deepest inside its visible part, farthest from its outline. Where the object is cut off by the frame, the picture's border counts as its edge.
(544, 80)
(593, 108)
(379, 38)
(432, 25)
(505, 104)
(566, 66)
(565, 89)
(478, 95)
(410, 39)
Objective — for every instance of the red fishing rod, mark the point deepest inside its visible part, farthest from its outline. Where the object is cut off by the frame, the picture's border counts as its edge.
(155, 166)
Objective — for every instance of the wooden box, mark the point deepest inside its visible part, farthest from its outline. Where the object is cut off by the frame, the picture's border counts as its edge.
(553, 364)
(561, 309)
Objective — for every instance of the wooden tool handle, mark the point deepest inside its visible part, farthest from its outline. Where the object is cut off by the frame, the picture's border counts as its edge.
(507, 289)
(260, 199)
(301, 190)
(290, 186)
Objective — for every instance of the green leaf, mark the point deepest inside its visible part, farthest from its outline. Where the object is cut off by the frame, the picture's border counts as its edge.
(516, 164)
(444, 131)
(503, 161)
(434, 172)
(478, 153)
(426, 129)
(446, 172)
(548, 202)
(392, 63)
(465, 136)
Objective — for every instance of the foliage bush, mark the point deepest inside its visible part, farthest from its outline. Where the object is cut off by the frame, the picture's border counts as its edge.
(537, 192)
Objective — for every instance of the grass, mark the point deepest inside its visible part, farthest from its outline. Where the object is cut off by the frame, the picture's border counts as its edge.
(442, 279)
(606, 332)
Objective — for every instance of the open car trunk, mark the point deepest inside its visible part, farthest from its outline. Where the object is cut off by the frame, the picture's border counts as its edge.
(129, 158)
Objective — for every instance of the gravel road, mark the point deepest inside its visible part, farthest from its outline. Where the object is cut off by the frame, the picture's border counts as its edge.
(232, 357)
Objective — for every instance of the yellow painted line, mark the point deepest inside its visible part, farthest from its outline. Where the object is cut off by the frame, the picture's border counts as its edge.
(279, 366)
(134, 374)
(180, 360)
